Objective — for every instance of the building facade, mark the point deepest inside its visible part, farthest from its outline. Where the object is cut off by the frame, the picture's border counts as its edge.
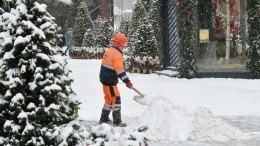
(221, 34)
(221, 37)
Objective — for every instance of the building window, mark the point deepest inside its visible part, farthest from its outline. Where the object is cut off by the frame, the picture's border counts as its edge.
(222, 50)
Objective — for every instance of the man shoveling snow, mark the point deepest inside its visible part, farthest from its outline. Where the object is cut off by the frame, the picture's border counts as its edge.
(111, 69)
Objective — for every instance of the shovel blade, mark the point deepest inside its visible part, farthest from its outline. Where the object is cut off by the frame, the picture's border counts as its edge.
(140, 99)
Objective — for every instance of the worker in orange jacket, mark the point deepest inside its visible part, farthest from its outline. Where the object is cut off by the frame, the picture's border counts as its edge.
(112, 68)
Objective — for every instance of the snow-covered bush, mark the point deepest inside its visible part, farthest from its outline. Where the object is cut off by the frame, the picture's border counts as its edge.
(104, 32)
(87, 52)
(187, 32)
(144, 52)
(253, 61)
(89, 39)
(95, 41)
(143, 63)
(106, 135)
(124, 27)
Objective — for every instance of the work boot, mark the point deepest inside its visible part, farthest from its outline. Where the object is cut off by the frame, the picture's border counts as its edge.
(105, 117)
(121, 124)
(117, 119)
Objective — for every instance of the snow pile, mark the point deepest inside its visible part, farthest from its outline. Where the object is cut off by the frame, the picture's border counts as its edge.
(106, 135)
(165, 121)
(207, 127)
(169, 122)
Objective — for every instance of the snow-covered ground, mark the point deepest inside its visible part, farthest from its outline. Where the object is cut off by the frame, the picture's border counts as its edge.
(179, 111)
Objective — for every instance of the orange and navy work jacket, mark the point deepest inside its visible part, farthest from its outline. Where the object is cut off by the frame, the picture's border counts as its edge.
(112, 67)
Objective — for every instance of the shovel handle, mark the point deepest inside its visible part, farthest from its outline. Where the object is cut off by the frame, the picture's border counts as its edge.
(137, 91)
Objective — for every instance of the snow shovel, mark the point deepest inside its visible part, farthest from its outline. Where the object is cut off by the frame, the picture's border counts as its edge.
(139, 98)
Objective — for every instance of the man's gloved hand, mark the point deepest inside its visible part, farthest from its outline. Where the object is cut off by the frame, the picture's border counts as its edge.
(129, 85)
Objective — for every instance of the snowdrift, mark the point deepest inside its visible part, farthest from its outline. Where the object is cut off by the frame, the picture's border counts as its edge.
(169, 122)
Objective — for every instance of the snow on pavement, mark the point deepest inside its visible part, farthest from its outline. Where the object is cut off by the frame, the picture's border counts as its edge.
(178, 109)
(169, 122)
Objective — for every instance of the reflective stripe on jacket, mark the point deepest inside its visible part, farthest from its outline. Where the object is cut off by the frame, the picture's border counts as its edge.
(112, 67)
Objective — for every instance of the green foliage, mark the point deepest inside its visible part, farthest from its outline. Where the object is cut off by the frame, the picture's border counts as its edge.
(145, 49)
(145, 36)
(36, 99)
(104, 33)
(72, 14)
(155, 17)
(253, 61)
(6, 5)
(139, 13)
(89, 39)
(124, 27)
(82, 23)
(187, 33)
(146, 44)
(146, 3)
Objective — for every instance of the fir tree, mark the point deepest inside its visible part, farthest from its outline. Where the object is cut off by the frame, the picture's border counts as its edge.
(124, 26)
(2, 6)
(154, 16)
(36, 99)
(105, 33)
(146, 3)
(82, 23)
(89, 38)
(72, 14)
(139, 13)
(187, 33)
(5, 5)
(138, 16)
(145, 52)
(5, 19)
(253, 62)
(2, 25)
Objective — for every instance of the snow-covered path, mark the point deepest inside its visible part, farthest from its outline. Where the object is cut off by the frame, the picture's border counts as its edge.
(244, 123)
(219, 97)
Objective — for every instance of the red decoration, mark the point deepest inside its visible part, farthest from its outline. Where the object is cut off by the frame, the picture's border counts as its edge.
(234, 11)
(189, 13)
